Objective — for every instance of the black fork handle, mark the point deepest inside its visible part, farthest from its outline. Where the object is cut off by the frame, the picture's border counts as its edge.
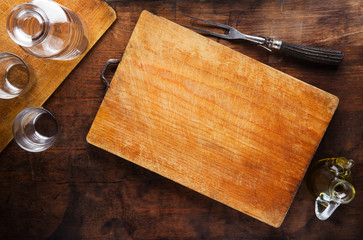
(312, 54)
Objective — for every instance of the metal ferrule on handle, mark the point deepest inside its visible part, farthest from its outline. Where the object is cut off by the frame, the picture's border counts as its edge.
(272, 43)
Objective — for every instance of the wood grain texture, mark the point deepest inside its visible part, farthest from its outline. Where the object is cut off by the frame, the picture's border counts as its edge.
(212, 119)
(77, 191)
(47, 74)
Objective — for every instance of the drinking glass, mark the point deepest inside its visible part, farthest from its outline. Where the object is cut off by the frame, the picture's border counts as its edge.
(14, 75)
(35, 129)
(46, 29)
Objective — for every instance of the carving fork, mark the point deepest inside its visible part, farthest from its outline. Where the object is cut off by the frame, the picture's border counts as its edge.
(310, 54)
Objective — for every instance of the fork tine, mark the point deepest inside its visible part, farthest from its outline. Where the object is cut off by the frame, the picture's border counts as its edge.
(209, 32)
(232, 32)
(212, 23)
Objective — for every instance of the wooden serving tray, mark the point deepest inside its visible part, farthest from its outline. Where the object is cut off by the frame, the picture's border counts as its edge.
(212, 119)
(48, 74)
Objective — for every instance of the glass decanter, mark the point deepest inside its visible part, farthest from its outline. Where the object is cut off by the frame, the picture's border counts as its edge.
(330, 181)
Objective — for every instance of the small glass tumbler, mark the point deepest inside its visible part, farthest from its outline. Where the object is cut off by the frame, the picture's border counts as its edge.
(35, 129)
(14, 75)
(45, 29)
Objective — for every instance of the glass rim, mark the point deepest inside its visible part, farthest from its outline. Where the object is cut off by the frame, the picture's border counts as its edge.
(10, 21)
(43, 110)
(340, 182)
(8, 54)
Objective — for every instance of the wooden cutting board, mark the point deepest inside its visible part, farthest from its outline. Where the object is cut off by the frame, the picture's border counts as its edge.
(212, 119)
(48, 74)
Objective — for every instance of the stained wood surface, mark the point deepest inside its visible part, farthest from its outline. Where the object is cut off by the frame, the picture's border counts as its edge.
(47, 74)
(211, 119)
(77, 191)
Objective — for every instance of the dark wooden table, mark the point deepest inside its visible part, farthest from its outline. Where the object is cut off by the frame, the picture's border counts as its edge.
(77, 191)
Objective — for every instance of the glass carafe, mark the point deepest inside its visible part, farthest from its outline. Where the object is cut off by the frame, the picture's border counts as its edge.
(45, 29)
(330, 181)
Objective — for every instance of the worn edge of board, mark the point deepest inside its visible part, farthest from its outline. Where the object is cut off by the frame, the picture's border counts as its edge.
(334, 104)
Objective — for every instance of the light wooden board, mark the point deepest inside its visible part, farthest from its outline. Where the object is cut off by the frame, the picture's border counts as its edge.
(47, 74)
(212, 119)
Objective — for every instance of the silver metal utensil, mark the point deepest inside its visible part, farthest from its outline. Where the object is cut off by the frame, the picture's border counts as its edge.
(310, 54)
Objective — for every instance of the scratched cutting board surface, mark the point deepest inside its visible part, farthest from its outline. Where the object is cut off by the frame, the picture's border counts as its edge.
(48, 74)
(212, 119)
